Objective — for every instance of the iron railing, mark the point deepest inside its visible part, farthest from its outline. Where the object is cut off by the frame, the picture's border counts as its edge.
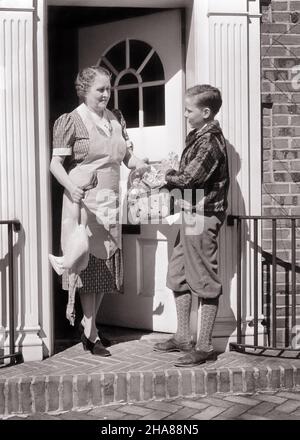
(15, 357)
(247, 228)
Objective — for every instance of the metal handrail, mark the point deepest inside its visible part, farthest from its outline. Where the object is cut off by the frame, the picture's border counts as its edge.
(15, 357)
(271, 259)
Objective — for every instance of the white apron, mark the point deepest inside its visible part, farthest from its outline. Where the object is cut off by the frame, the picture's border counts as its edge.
(100, 206)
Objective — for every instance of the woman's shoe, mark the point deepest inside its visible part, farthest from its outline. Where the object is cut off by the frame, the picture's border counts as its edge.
(86, 343)
(94, 347)
(100, 350)
(105, 342)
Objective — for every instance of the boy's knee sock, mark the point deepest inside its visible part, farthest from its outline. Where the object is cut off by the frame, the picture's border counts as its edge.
(183, 303)
(209, 308)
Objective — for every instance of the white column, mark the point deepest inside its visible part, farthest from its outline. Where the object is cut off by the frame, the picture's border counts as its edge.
(229, 71)
(18, 151)
(255, 195)
(227, 55)
(197, 56)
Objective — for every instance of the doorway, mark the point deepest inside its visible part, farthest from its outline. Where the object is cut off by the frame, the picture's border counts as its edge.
(136, 31)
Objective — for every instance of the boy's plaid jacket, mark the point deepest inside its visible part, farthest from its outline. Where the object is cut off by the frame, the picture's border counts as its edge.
(204, 165)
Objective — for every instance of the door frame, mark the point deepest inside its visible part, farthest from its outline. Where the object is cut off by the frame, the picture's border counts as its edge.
(197, 49)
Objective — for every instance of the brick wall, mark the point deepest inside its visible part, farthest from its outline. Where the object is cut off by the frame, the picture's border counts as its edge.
(280, 56)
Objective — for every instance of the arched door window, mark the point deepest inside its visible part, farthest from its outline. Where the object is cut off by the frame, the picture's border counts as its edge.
(138, 82)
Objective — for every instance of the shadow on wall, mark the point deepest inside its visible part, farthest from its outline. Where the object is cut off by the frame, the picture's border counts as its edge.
(225, 327)
(18, 288)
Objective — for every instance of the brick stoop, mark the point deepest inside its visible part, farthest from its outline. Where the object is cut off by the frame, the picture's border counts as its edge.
(74, 379)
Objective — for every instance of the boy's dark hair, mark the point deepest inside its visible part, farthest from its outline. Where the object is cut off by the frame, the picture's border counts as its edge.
(207, 96)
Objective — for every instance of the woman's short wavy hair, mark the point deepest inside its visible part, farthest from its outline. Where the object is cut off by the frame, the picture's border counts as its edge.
(86, 77)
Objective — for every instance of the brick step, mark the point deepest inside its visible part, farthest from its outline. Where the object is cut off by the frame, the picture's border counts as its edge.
(73, 380)
(64, 393)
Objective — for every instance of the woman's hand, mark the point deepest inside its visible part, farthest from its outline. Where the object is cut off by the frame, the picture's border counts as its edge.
(141, 167)
(135, 163)
(76, 193)
(89, 181)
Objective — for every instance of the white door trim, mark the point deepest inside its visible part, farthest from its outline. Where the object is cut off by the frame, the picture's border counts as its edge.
(46, 292)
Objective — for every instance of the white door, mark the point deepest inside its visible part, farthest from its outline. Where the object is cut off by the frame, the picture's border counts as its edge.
(145, 57)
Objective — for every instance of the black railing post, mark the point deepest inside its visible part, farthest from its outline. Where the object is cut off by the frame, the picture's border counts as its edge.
(239, 282)
(274, 275)
(270, 258)
(14, 356)
(293, 268)
(255, 323)
(11, 291)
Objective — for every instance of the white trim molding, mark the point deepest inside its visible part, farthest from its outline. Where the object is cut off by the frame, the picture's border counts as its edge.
(234, 14)
(18, 151)
(17, 5)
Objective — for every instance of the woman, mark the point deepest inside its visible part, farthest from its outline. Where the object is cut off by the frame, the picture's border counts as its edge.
(93, 139)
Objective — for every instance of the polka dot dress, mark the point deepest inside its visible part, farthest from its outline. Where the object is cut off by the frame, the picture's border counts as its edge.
(100, 276)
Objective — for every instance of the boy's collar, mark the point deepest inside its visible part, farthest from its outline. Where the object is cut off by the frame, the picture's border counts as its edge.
(210, 126)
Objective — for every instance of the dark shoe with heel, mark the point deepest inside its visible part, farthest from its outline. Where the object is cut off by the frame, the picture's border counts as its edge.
(100, 350)
(95, 348)
(105, 342)
(172, 345)
(196, 357)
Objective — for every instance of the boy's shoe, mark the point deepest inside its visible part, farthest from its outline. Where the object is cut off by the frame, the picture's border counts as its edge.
(172, 345)
(196, 357)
